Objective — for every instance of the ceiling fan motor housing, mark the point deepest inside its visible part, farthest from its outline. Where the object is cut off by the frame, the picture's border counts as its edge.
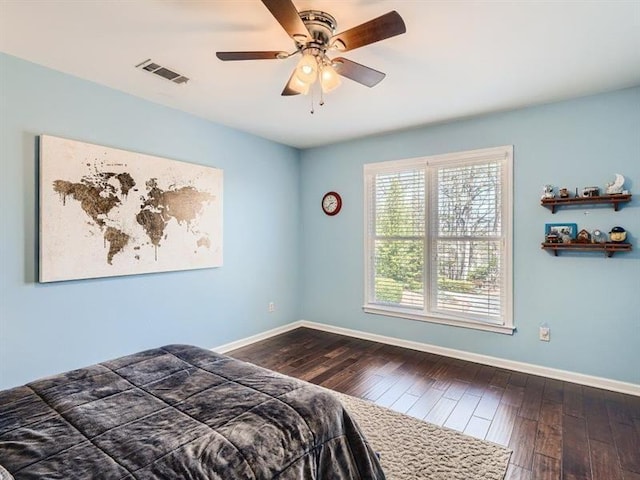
(321, 26)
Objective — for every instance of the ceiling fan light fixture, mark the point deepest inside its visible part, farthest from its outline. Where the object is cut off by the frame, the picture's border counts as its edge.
(298, 85)
(307, 69)
(329, 78)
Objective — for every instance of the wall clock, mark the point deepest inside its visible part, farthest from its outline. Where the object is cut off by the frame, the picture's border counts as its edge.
(331, 203)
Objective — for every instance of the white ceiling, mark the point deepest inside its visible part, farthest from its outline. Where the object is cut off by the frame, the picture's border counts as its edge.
(458, 58)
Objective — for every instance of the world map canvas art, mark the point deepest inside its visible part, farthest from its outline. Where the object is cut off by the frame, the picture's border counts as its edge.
(106, 212)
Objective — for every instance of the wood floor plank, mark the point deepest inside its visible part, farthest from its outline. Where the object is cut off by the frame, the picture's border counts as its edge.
(518, 379)
(404, 403)
(441, 411)
(361, 385)
(573, 398)
(477, 427)
(551, 413)
(398, 389)
(513, 395)
(515, 472)
(627, 442)
(489, 403)
(377, 390)
(456, 390)
(596, 413)
(482, 380)
(618, 408)
(425, 403)
(553, 390)
(500, 378)
(328, 369)
(532, 400)
(421, 385)
(549, 440)
(634, 405)
(523, 442)
(595, 433)
(461, 414)
(604, 461)
(576, 463)
(546, 468)
(441, 373)
(502, 424)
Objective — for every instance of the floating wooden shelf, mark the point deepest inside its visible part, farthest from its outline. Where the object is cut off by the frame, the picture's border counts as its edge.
(615, 200)
(608, 248)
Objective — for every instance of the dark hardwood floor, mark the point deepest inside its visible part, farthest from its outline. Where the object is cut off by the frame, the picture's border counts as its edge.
(556, 429)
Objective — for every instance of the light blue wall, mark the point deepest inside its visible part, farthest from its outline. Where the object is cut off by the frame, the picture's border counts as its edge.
(592, 304)
(49, 328)
(287, 251)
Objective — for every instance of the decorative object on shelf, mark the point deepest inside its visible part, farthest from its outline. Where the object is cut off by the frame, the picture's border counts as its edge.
(618, 235)
(552, 238)
(561, 230)
(331, 203)
(598, 236)
(590, 192)
(547, 192)
(564, 192)
(583, 236)
(616, 187)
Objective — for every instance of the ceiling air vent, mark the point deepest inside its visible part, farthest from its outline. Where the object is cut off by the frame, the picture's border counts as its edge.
(163, 72)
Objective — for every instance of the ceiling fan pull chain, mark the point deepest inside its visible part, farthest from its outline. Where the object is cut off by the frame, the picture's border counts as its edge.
(321, 95)
(311, 96)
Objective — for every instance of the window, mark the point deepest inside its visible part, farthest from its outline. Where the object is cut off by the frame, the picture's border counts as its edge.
(438, 239)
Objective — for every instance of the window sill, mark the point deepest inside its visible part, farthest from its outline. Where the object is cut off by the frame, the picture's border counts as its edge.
(412, 315)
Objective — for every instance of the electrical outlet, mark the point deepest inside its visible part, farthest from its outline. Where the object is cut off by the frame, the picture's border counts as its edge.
(271, 307)
(545, 334)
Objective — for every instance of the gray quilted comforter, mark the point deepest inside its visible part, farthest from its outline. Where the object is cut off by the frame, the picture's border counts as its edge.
(178, 412)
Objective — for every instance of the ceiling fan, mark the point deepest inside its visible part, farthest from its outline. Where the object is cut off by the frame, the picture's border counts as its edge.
(314, 35)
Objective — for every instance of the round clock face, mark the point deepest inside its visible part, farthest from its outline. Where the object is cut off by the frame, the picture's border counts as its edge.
(331, 203)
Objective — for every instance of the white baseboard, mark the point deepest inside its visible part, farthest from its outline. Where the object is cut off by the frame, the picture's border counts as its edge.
(589, 380)
(243, 342)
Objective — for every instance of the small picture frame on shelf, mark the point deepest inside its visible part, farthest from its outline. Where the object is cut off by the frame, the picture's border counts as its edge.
(561, 230)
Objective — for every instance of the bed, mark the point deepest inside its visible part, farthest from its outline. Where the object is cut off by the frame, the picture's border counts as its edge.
(179, 412)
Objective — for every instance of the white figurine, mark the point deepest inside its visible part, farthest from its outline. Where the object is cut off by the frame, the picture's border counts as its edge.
(547, 192)
(615, 187)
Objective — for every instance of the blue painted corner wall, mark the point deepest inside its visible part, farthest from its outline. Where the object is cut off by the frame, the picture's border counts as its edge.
(278, 246)
(591, 304)
(49, 328)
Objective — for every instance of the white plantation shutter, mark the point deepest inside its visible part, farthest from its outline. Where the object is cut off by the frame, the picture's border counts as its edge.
(438, 244)
(398, 223)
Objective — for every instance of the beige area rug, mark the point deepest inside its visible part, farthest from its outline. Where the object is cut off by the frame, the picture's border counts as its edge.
(411, 449)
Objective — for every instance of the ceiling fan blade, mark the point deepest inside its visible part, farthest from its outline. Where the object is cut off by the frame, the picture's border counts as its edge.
(286, 14)
(356, 72)
(227, 56)
(386, 26)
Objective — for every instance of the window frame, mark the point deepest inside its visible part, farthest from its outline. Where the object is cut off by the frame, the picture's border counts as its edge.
(430, 165)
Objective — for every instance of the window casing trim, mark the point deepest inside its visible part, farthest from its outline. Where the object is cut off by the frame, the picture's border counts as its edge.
(504, 154)
(411, 314)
